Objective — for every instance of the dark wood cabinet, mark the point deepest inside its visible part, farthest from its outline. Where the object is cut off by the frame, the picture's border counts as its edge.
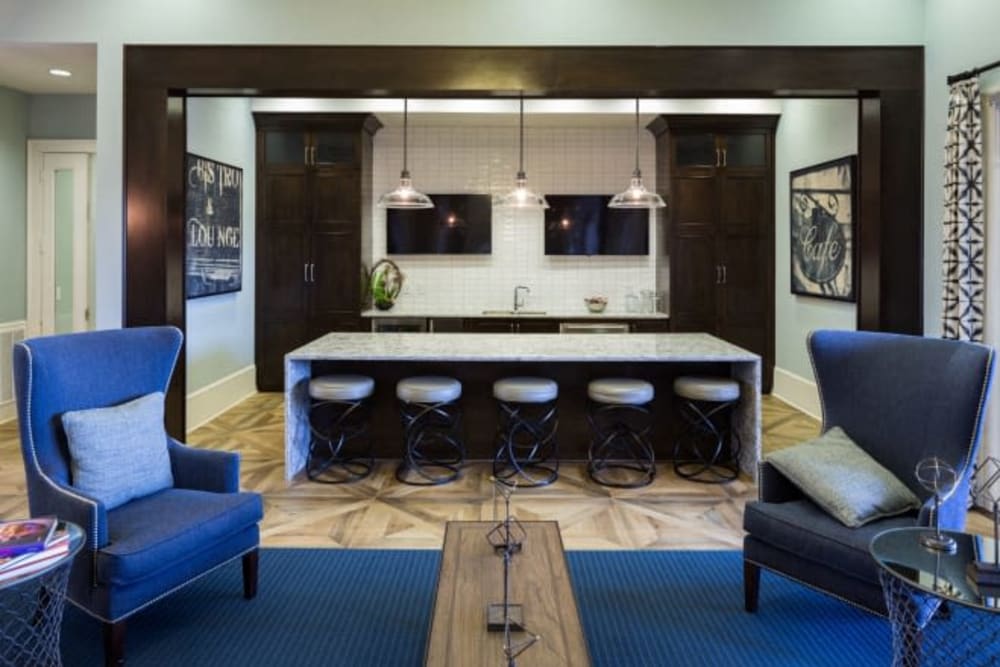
(311, 171)
(717, 173)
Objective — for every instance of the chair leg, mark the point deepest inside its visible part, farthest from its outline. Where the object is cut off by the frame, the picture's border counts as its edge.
(751, 585)
(250, 574)
(114, 644)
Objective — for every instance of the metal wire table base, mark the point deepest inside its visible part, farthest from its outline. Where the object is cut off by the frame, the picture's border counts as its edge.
(928, 632)
(31, 615)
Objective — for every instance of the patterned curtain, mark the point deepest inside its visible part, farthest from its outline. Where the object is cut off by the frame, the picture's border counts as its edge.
(964, 225)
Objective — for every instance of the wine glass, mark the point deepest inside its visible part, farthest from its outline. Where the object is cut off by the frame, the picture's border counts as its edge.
(940, 478)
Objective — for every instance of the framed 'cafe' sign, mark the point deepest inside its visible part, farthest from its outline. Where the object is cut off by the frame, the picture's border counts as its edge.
(822, 229)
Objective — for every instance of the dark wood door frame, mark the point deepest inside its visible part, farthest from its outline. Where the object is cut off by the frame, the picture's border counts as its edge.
(889, 82)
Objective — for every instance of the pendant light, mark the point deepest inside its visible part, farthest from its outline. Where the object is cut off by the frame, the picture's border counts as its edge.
(636, 195)
(521, 196)
(405, 196)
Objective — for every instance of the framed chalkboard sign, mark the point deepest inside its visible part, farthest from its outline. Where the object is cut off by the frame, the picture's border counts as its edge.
(214, 214)
(823, 210)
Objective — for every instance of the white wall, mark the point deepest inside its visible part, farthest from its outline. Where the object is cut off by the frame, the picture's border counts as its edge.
(810, 132)
(113, 23)
(484, 159)
(220, 328)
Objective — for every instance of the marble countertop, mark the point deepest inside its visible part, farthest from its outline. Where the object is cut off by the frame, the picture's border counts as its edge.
(523, 347)
(528, 313)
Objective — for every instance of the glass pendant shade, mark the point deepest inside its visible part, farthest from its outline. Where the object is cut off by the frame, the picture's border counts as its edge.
(405, 195)
(522, 196)
(636, 195)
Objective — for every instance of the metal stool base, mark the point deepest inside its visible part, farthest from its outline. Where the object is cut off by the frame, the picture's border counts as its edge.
(620, 443)
(433, 449)
(329, 460)
(527, 454)
(707, 451)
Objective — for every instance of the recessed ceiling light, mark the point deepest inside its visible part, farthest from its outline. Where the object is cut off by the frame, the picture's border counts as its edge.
(55, 71)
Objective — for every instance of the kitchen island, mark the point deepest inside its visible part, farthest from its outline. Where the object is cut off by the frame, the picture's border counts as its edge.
(477, 360)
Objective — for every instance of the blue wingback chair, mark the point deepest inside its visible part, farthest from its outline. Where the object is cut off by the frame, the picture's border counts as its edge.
(140, 551)
(902, 399)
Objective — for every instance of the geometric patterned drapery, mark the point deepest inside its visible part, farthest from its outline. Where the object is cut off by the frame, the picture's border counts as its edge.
(964, 247)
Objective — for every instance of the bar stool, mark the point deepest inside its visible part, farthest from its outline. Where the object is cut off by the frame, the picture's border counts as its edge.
(433, 450)
(620, 454)
(526, 431)
(707, 450)
(338, 416)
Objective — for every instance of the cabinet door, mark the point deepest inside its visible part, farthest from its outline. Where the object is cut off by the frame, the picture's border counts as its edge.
(747, 289)
(334, 147)
(335, 244)
(650, 326)
(742, 150)
(693, 265)
(284, 148)
(533, 325)
(488, 325)
(282, 256)
(699, 149)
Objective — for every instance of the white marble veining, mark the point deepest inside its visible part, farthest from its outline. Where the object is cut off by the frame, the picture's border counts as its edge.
(472, 347)
(564, 314)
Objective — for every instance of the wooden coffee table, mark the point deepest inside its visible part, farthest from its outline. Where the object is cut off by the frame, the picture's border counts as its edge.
(471, 576)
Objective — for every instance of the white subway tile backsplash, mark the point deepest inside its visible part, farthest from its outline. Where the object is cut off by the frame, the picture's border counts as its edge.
(473, 159)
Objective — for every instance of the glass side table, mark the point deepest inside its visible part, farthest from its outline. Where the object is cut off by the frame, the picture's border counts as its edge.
(31, 609)
(917, 582)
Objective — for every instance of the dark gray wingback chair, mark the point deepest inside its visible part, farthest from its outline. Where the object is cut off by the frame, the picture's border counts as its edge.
(901, 398)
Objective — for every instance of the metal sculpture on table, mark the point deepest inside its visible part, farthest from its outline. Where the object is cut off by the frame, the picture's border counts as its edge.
(507, 539)
(986, 486)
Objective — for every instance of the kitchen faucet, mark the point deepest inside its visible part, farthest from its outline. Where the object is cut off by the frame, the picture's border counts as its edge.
(519, 302)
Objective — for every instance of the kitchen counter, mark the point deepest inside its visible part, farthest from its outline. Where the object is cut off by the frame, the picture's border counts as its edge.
(565, 314)
(478, 359)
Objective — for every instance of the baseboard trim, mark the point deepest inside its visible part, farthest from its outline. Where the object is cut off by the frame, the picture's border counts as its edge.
(798, 392)
(8, 411)
(207, 403)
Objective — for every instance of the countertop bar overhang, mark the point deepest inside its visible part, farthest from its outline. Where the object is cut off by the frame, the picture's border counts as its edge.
(477, 359)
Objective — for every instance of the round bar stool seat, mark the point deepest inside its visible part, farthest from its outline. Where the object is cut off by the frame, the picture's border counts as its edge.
(707, 450)
(620, 454)
(338, 418)
(433, 449)
(526, 452)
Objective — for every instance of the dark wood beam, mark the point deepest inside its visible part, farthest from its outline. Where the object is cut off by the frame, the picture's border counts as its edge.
(890, 81)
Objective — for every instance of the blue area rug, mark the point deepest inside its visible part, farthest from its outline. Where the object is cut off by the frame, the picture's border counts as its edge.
(349, 607)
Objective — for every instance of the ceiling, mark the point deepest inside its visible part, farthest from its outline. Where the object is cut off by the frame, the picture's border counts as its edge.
(25, 67)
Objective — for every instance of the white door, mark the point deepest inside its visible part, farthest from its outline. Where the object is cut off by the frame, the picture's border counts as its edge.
(59, 242)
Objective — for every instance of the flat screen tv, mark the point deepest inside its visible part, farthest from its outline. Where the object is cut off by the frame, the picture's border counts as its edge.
(584, 225)
(457, 225)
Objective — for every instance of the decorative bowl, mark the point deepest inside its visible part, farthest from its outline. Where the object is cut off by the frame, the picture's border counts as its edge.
(596, 304)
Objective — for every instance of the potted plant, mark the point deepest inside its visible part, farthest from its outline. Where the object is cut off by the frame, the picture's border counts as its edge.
(386, 281)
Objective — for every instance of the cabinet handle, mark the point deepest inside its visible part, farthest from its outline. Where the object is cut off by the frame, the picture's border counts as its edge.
(512, 327)
(305, 272)
(313, 156)
(724, 274)
(725, 158)
(718, 274)
(312, 273)
(305, 155)
(718, 158)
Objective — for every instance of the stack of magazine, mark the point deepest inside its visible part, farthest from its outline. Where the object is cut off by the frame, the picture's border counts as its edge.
(30, 545)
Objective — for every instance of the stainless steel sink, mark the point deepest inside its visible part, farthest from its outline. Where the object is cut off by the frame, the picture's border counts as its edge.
(513, 312)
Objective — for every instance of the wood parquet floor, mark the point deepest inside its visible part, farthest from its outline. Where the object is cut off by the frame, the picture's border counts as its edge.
(378, 512)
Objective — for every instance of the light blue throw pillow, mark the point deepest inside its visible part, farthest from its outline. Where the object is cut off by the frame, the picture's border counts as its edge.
(843, 479)
(119, 453)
